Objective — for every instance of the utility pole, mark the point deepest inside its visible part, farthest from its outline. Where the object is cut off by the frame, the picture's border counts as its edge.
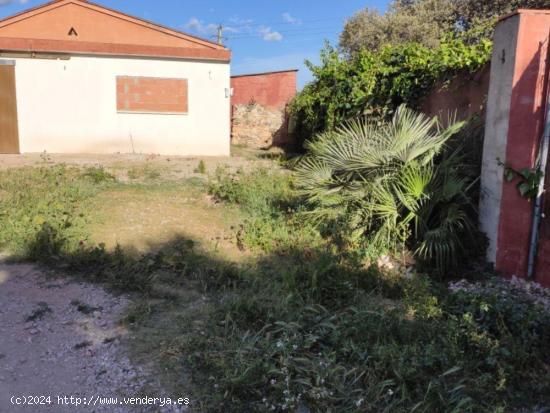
(220, 34)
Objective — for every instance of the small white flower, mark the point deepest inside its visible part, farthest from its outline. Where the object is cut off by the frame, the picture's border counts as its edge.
(359, 402)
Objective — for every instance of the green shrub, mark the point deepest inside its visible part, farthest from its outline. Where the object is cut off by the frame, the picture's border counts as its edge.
(380, 187)
(378, 82)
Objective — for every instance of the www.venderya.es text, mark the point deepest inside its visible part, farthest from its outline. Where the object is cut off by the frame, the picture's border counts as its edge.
(97, 400)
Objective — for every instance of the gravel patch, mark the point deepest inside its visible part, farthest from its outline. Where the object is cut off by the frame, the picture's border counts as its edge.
(63, 338)
(507, 288)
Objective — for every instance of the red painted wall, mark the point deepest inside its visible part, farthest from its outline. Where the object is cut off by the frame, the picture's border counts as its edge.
(524, 133)
(464, 96)
(272, 90)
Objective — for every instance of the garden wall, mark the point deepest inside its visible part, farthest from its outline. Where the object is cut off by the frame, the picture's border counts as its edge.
(465, 95)
(258, 108)
(514, 127)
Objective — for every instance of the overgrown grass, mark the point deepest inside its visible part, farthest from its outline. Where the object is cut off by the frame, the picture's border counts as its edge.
(328, 334)
(266, 349)
(42, 209)
(270, 206)
(145, 172)
(297, 324)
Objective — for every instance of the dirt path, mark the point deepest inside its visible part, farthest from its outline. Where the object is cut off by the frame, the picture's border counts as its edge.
(62, 338)
(138, 167)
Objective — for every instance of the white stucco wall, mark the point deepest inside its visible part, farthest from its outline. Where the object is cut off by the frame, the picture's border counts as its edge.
(496, 129)
(69, 106)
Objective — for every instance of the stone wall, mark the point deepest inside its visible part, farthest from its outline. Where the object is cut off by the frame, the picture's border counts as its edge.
(259, 108)
(259, 127)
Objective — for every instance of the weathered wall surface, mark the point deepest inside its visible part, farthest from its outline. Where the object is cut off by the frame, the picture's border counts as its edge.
(70, 106)
(259, 102)
(259, 127)
(464, 96)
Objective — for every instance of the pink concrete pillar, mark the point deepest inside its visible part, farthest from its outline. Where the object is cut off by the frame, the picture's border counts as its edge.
(515, 121)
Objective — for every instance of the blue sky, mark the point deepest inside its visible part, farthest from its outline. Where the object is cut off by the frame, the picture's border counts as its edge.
(263, 35)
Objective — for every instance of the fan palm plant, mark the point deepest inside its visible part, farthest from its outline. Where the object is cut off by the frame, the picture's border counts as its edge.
(391, 185)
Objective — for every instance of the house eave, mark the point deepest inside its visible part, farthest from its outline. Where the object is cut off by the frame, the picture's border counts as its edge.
(8, 44)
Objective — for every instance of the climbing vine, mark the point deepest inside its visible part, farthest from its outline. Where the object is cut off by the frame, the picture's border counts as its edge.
(529, 180)
(377, 82)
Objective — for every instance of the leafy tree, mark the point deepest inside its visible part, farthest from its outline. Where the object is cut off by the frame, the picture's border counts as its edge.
(424, 21)
(382, 186)
(472, 12)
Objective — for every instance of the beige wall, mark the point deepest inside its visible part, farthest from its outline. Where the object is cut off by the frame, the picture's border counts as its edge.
(69, 106)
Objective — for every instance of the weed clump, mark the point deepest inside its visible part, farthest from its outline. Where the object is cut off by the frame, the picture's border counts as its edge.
(145, 172)
(270, 205)
(98, 174)
(201, 168)
(427, 350)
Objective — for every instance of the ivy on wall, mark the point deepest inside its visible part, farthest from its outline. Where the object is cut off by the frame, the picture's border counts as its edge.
(377, 82)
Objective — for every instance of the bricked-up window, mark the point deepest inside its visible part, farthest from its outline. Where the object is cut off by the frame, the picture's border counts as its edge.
(151, 95)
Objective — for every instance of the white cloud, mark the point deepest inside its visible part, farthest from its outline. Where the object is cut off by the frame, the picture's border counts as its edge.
(288, 18)
(237, 21)
(237, 26)
(6, 2)
(269, 35)
(207, 29)
(199, 26)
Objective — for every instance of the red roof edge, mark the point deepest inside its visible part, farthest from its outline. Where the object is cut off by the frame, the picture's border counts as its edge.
(11, 44)
(274, 72)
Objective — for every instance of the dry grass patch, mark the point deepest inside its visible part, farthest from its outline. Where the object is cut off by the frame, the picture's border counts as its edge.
(141, 217)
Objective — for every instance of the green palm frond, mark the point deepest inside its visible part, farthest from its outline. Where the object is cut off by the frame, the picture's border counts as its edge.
(313, 172)
(390, 183)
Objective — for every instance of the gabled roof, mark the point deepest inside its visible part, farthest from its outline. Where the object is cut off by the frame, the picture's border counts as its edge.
(80, 26)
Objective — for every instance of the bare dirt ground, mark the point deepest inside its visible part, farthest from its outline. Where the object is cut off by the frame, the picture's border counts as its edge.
(128, 167)
(63, 338)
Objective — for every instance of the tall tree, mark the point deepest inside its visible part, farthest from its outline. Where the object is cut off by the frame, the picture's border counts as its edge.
(423, 21)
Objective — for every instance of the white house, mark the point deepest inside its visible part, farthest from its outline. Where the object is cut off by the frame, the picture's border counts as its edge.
(77, 77)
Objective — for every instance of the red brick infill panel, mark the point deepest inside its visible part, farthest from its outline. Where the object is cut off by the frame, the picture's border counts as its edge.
(152, 95)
